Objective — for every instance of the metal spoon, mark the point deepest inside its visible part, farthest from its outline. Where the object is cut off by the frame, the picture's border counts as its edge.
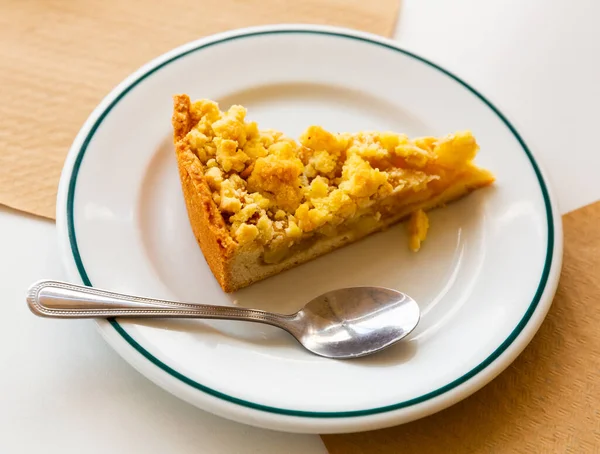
(344, 323)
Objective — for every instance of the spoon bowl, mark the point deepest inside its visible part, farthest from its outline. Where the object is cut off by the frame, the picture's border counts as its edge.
(356, 321)
(344, 323)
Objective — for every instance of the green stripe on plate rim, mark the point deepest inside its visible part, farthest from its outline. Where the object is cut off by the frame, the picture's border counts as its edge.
(302, 413)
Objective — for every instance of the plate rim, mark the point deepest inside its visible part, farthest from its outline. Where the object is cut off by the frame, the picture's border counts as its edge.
(541, 300)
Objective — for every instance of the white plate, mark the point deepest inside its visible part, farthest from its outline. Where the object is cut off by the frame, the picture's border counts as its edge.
(484, 279)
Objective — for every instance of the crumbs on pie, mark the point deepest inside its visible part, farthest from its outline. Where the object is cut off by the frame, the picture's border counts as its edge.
(260, 202)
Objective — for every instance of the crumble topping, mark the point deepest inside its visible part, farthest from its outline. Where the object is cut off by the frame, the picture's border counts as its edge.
(417, 228)
(276, 191)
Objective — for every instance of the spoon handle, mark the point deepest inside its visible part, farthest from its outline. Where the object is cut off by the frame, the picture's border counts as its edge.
(57, 299)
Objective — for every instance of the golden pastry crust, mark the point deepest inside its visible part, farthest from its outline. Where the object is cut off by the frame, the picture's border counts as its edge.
(205, 218)
(260, 203)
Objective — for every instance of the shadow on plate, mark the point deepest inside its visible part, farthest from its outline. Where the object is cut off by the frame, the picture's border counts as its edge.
(399, 353)
(223, 328)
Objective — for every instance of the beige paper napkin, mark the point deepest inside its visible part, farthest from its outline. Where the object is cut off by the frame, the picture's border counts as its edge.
(58, 59)
(547, 401)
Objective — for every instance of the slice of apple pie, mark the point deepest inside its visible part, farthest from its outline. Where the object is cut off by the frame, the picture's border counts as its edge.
(260, 203)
